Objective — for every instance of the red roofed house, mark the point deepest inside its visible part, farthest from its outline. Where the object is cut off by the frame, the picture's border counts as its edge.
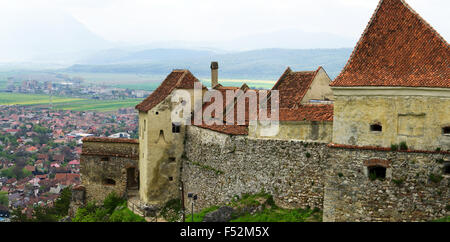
(396, 85)
(306, 109)
(67, 178)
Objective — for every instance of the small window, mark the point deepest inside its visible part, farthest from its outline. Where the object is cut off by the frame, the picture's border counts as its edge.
(170, 178)
(157, 113)
(109, 182)
(447, 168)
(176, 128)
(376, 128)
(171, 159)
(376, 172)
(105, 159)
(446, 130)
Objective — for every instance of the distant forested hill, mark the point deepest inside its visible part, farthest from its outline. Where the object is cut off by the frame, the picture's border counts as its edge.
(256, 64)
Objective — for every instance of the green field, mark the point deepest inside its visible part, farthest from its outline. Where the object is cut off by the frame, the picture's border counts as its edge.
(98, 105)
(67, 103)
(32, 99)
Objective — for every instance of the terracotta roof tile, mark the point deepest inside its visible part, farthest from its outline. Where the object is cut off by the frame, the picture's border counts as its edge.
(227, 129)
(182, 79)
(308, 112)
(292, 86)
(398, 48)
(110, 140)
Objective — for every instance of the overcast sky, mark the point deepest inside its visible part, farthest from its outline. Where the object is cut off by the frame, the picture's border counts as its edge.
(144, 21)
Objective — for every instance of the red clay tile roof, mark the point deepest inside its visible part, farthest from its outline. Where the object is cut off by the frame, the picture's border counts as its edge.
(292, 86)
(307, 112)
(226, 129)
(181, 79)
(398, 48)
(110, 140)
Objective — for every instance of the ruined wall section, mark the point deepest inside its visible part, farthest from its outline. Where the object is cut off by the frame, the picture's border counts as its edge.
(103, 166)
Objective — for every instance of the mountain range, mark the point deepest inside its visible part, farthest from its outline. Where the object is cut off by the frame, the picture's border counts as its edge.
(253, 64)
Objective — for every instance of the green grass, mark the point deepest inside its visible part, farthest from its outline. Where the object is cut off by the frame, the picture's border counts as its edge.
(32, 99)
(98, 105)
(114, 209)
(67, 103)
(270, 212)
(444, 219)
(281, 215)
(198, 217)
(125, 215)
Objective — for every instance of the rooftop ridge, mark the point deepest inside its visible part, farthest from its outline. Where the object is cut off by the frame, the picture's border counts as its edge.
(382, 55)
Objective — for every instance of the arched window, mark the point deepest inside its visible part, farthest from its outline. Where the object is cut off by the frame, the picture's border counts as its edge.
(376, 128)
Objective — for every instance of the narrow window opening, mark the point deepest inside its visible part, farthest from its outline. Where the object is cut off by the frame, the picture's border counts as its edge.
(447, 168)
(376, 128)
(377, 172)
(109, 182)
(171, 159)
(176, 128)
(170, 178)
(446, 130)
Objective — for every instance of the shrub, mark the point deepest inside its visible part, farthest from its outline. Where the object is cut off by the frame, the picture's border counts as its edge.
(403, 146)
(307, 155)
(125, 215)
(112, 201)
(398, 182)
(340, 174)
(435, 178)
(394, 147)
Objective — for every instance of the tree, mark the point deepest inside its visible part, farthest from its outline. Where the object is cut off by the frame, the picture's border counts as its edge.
(18, 216)
(4, 199)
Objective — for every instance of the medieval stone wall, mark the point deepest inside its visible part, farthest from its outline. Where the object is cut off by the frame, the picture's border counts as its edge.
(218, 167)
(103, 167)
(415, 187)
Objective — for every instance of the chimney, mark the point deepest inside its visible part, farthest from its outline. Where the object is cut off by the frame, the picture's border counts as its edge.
(214, 74)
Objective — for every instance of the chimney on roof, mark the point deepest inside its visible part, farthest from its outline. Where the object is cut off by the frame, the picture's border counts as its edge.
(214, 74)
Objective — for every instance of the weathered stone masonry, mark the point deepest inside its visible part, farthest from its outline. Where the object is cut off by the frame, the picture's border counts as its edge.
(407, 193)
(218, 166)
(105, 166)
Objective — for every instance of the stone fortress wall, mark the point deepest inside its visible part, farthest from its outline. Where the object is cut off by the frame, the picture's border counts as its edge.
(300, 174)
